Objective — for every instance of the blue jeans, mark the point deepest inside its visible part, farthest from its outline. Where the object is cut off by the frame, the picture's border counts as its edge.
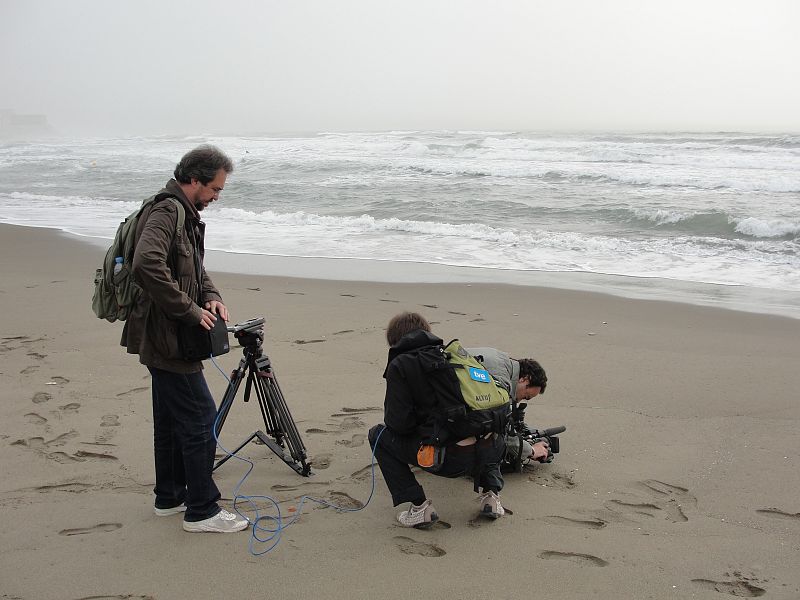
(183, 442)
(395, 453)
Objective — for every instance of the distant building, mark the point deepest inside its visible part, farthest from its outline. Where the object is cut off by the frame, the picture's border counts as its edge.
(16, 126)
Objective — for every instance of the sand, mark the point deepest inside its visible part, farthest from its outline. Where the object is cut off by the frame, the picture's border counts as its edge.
(677, 476)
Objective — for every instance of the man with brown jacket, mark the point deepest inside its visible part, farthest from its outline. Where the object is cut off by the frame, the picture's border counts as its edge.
(176, 289)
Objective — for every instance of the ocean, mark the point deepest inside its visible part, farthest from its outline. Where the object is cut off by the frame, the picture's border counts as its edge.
(709, 218)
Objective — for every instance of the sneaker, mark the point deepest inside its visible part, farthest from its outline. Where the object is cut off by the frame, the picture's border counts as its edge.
(222, 522)
(165, 512)
(490, 505)
(420, 517)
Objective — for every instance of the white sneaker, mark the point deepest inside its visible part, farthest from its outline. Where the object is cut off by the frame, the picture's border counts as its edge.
(222, 522)
(165, 512)
(490, 505)
(419, 517)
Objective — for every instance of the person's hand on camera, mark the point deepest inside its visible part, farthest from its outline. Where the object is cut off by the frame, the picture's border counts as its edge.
(217, 308)
(540, 451)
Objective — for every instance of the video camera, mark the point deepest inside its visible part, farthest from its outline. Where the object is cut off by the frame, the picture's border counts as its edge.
(519, 429)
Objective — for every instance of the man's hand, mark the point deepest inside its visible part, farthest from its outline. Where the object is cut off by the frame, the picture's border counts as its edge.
(217, 308)
(540, 451)
(207, 319)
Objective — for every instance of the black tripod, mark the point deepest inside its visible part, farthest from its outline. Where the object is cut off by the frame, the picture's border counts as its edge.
(280, 432)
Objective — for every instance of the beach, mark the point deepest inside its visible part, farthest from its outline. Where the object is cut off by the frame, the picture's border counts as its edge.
(677, 476)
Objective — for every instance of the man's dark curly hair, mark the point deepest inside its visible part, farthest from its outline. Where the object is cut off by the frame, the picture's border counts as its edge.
(404, 323)
(533, 372)
(202, 164)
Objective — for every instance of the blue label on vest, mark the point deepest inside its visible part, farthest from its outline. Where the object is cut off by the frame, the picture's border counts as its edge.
(479, 375)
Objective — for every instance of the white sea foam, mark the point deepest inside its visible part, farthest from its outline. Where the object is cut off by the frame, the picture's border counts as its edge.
(772, 228)
(691, 207)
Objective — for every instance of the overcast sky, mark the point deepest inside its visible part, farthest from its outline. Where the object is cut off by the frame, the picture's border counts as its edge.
(164, 66)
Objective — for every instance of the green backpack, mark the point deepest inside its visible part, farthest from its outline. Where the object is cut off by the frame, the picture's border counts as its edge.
(479, 389)
(469, 402)
(116, 293)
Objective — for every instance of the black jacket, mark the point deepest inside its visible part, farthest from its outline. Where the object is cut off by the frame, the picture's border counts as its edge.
(410, 399)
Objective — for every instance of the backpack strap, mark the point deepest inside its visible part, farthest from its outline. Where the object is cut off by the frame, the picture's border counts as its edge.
(179, 224)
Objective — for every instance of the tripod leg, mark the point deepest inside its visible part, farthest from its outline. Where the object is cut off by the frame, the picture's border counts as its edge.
(230, 394)
(278, 419)
(225, 406)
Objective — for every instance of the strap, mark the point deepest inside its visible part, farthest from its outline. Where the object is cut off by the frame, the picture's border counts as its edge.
(181, 216)
(180, 224)
(198, 267)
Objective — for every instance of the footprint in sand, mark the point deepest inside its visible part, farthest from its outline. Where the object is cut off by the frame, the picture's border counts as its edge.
(301, 342)
(479, 319)
(321, 461)
(70, 408)
(739, 588)
(100, 528)
(357, 440)
(352, 423)
(362, 474)
(62, 439)
(481, 520)
(410, 546)
(37, 356)
(778, 514)
(137, 390)
(109, 421)
(385, 300)
(665, 500)
(347, 423)
(553, 479)
(38, 443)
(583, 523)
(280, 487)
(119, 597)
(62, 458)
(107, 431)
(36, 419)
(59, 380)
(83, 455)
(576, 557)
(346, 411)
(75, 487)
(40, 397)
(29, 370)
(342, 500)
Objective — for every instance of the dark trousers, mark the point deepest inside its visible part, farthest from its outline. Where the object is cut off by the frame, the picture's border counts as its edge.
(396, 453)
(184, 445)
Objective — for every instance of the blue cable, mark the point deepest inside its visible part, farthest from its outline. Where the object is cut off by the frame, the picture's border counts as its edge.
(274, 534)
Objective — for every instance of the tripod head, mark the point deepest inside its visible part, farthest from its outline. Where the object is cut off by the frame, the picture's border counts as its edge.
(250, 333)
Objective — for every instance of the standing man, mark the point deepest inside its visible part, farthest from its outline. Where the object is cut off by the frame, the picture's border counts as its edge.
(177, 291)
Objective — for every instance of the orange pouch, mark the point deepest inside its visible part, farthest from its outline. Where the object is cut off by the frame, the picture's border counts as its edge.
(430, 457)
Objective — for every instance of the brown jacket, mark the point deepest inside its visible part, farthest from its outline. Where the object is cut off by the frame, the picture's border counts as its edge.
(168, 298)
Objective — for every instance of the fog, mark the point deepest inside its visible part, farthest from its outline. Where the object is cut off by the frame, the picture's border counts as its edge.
(165, 67)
